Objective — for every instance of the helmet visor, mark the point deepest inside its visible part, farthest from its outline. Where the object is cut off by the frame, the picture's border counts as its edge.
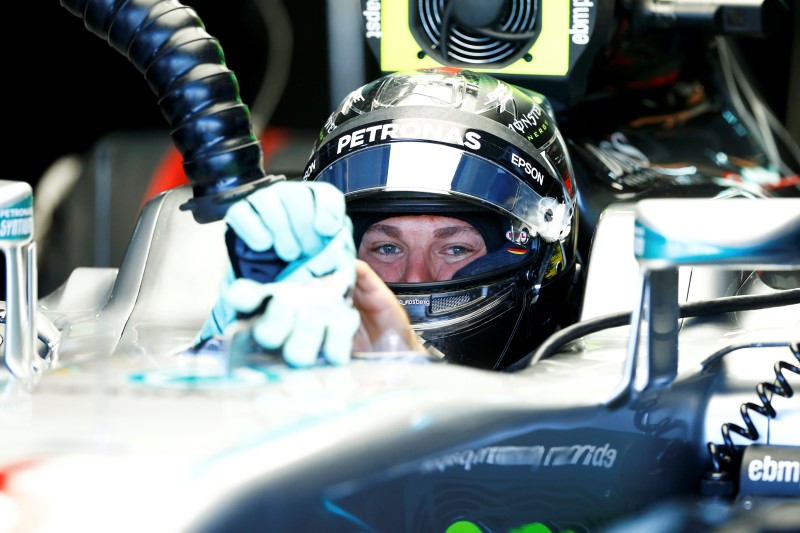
(431, 168)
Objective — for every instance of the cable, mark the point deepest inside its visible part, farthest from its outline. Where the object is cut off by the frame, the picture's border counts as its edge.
(688, 310)
(723, 455)
(756, 115)
(505, 35)
(444, 34)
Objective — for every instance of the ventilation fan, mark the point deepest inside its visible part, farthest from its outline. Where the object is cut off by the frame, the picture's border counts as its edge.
(476, 32)
(546, 45)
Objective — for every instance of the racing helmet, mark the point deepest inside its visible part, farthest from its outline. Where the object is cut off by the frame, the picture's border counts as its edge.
(463, 144)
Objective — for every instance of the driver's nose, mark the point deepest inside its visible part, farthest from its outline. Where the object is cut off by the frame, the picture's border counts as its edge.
(417, 269)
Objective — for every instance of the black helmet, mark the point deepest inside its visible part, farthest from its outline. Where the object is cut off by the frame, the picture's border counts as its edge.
(453, 142)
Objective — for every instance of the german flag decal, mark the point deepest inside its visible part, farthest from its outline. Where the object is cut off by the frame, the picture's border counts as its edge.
(514, 250)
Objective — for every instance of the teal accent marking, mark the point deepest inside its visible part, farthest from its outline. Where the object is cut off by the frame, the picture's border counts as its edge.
(186, 380)
(16, 221)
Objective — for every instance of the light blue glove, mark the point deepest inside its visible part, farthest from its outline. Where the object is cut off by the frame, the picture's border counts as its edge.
(309, 313)
(307, 225)
(221, 316)
(297, 218)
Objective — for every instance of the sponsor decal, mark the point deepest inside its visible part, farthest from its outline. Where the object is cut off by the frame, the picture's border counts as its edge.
(413, 301)
(579, 30)
(528, 168)
(16, 222)
(535, 457)
(770, 470)
(473, 141)
(330, 124)
(372, 19)
(518, 237)
(408, 130)
(581, 454)
(353, 98)
(310, 169)
(500, 97)
(531, 135)
(529, 121)
(556, 262)
(16, 228)
(516, 251)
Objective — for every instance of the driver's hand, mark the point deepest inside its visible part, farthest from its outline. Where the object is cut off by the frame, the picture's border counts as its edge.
(308, 315)
(385, 326)
(299, 220)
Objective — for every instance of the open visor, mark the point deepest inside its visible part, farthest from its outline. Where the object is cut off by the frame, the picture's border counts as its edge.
(425, 167)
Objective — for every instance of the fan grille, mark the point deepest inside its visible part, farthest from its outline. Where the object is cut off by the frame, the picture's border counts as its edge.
(467, 46)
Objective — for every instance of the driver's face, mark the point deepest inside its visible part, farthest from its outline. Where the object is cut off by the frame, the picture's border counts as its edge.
(420, 248)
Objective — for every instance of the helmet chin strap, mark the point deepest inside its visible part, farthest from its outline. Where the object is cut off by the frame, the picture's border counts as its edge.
(530, 297)
(428, 345)
(544, 267)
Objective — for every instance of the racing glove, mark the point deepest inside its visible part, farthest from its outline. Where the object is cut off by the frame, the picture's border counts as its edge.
(293, 218)
(309, 313)
(297, 222)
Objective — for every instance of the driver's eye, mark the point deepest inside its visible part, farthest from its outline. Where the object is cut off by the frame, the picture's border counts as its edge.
(388, 249)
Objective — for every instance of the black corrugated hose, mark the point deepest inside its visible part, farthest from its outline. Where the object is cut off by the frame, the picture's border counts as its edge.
(197, 94)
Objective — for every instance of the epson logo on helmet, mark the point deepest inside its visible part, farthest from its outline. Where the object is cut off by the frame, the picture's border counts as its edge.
(408, 130)
(312, 166)
(372, 19)
(528, 168)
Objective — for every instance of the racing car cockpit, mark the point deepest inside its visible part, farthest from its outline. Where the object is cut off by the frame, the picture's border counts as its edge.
(669, 397)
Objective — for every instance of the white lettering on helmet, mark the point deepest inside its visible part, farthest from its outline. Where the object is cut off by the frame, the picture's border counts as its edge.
(528, 120)
(389, 131)
(372, 130)
(500, 96)
(528, 168)
(472, 140)
(310, 169)
(409, 130)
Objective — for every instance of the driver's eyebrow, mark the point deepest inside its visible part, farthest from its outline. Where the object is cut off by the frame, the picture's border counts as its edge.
(389, 231)
(441, 233)
(452, 231)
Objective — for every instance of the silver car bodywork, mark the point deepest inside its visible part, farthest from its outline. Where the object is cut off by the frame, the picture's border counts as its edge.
(125, 429)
